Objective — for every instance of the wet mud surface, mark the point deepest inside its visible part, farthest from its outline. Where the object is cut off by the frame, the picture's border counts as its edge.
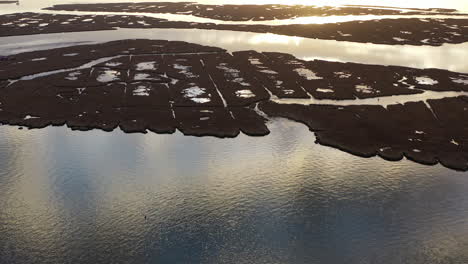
(411, 31)
(245, 12)
(161, 86)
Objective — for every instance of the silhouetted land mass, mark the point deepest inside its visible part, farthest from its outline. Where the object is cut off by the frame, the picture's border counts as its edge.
(161, 86)
(248, 12)
(434, 32)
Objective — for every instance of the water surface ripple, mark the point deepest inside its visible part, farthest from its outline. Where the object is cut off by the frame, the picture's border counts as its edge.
(96, 197)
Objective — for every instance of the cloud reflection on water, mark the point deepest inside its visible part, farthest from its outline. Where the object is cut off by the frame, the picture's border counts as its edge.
(449, 56)
(210, 199)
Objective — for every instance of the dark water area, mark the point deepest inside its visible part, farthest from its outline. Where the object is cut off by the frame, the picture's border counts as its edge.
(97, 197)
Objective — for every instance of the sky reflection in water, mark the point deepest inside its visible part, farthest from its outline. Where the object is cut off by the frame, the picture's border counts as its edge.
(449, 56)
(82, 196)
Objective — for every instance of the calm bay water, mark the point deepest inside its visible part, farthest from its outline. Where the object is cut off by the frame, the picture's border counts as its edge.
(97, 197)
(449, 56)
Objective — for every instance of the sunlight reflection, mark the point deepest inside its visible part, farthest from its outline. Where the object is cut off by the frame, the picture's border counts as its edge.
(275, 39)
(449, 56)
(34, 5)
(458, 4)
(292, 21)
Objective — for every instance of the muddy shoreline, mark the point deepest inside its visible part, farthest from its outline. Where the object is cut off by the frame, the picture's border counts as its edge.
(434, 32)
(161, 86)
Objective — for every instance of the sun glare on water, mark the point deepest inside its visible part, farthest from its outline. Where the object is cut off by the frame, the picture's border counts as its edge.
(456, 4)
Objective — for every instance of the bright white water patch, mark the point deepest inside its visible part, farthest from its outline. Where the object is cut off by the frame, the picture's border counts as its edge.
(241, 81)
(73, 76)
(343, 35)
(255, 61)
(403, 81)
(230, 71)
(460, 81)
(113, 64)
(80, 90)
(343, 75)
(294, 62)
(30, 117)
(321, 90)
(268, 71)
(365, 89)
(142, 77)
(233, 73)
(201, 100)
(194, 92)
(245, 94)
(145, 77)
(424, 80)
(399, 39)
(454, 34)
(185, 70)
(454, 142)
(307, 74)
(142, 90)
(449, 56)
(39, 59)
(383, 101)
(143, 23)
(108, 76)
(70, 54)
(146, 66)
